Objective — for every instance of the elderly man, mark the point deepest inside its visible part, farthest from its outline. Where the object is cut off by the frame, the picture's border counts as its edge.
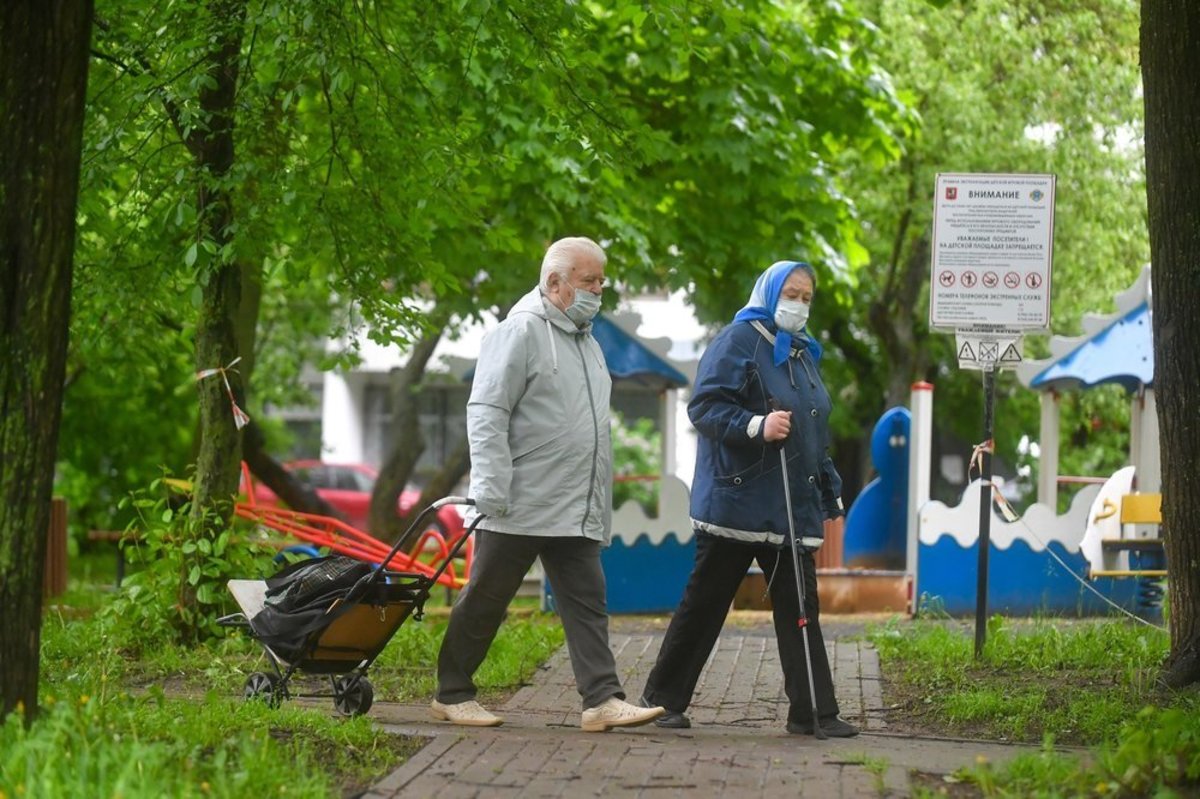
(541, 472)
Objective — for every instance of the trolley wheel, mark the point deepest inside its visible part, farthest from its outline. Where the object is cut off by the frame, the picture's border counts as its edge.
(352, 695)
(263, 687)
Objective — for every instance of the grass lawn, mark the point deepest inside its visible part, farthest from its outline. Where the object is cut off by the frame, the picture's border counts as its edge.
(122, 716)
(1083, 683)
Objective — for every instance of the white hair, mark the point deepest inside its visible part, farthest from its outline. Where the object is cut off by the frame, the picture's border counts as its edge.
(565, 254)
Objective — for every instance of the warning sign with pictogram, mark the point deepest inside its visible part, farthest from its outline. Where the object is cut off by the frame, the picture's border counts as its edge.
(988, 349)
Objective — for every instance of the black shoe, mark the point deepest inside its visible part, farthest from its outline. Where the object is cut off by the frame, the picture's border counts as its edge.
(833, 726)
(669, 720)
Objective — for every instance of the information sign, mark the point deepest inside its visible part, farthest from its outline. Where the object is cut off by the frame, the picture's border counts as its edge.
(993, 238)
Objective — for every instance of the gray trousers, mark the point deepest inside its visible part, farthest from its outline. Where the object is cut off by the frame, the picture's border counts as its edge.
(501, 561)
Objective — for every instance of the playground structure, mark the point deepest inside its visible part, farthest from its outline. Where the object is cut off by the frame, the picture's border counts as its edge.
(1110, 531)
(430, 557)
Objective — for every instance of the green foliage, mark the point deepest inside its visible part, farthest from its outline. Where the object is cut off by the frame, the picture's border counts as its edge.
(177, 590)
(388, 170)
(109, 728)
(1040, 86)
(112, 743)
(1158, 748)
(637, 452)
(127, 716)
(750, 105)
(128, 413)
(1155, 753)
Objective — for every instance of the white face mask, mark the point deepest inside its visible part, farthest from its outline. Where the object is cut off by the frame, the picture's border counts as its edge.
(583, 308)
(791, 315)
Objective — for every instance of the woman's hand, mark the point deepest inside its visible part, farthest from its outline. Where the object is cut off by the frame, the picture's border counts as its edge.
(777, 425)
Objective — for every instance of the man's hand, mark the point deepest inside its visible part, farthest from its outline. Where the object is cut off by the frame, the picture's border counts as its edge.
(777, 425)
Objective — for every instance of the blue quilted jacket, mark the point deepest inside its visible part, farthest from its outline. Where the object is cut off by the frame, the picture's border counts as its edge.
(737, 491)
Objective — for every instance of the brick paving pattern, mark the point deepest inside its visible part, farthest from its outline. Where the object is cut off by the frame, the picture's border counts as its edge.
(736, 747)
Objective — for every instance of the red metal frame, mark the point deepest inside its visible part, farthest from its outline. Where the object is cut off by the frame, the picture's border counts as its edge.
(337, 536)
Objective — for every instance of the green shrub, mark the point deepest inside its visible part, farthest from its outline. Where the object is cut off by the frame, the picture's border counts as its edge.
(176, 590)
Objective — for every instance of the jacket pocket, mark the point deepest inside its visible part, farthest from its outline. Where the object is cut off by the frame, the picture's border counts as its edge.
(744, 476)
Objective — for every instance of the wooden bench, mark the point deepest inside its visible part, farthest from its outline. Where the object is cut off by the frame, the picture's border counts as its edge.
(1135, 509)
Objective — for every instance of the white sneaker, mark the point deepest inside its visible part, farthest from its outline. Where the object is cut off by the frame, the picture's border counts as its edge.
(615, 712)
(468, 714)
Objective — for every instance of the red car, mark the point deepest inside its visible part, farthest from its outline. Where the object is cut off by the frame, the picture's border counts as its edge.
(348, 486)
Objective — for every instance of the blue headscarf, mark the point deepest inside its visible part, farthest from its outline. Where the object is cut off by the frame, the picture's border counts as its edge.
(762, 304)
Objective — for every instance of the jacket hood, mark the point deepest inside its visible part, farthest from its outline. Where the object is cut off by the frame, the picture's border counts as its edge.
(537, 304)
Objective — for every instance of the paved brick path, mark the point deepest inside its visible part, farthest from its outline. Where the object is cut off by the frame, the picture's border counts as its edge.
(736, 747)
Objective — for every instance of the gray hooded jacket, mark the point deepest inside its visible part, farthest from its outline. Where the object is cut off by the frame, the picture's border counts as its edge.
(538, 426)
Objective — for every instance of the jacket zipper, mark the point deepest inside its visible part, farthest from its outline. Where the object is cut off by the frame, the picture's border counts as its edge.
(587, 510)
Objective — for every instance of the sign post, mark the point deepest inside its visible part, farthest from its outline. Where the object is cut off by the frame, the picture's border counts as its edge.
(993, 239)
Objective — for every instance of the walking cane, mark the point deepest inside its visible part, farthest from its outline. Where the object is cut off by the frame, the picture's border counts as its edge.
(802, 620)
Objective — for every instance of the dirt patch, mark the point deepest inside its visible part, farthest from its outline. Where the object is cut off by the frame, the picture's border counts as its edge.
(356, 771)
(910, 710)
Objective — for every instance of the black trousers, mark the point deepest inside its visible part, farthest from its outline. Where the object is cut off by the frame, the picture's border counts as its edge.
(720, 566)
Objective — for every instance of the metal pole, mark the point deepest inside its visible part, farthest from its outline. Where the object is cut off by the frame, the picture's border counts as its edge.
(985, 508)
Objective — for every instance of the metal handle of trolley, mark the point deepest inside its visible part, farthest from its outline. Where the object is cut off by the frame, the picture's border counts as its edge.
(416, 524)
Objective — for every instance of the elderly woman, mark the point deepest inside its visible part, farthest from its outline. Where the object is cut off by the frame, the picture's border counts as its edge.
(758, 388)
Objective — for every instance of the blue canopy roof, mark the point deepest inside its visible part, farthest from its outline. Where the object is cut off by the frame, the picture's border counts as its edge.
(628, 358)
(1122, 353)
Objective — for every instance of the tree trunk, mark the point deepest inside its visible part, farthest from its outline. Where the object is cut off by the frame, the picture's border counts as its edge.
(408, 443)
(216, 329)
(442, 483)
(1171, 75)
(43, 82)
(891, 312)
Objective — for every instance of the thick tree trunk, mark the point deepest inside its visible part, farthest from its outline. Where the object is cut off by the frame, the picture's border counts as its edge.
(43, 81)
(216, 330)
(1171, 75)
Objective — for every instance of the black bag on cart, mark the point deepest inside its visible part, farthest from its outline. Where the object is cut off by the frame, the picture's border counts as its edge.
(299, 599)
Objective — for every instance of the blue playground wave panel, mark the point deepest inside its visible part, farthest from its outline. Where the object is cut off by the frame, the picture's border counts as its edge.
(643, 577)
(1021, 581)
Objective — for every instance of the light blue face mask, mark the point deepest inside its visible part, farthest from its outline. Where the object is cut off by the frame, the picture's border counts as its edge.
(791, 315)
(585, 306)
